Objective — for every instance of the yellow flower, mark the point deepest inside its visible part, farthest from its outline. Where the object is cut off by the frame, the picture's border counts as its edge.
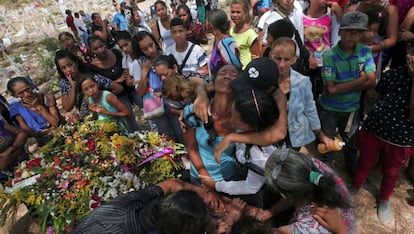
(153, 138)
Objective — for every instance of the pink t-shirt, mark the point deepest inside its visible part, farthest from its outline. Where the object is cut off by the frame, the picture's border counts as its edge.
(317, 35)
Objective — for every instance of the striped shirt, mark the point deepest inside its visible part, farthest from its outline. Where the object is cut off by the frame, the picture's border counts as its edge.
(226, 52)
(340, 67)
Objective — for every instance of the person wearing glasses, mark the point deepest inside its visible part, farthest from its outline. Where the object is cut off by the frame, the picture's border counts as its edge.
(307, 183)
(36, 113)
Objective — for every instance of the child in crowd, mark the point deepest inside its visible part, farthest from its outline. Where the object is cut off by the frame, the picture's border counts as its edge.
(389, 129)
(377, 26)
(320, 34)
(347, 69)
(130, 66)
(148, 50)
(137, 21)
(68, 41)
(191, 58)
(105, 104)
(242, 32)
(195, 30)
(161, 27)
(306, 182)
(277, 29)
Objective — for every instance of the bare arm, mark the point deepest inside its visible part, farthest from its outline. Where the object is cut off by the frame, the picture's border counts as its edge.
(122, 109)
(256, 49)
(68, 100)
(116, 88)
(330, 218)
(10, 154)
(143, 83)
(52, 115)
(406, 34)
(155, 31)
(392, 31)
(23, 125)
(192, 149)
(203, 69)
(201, 103)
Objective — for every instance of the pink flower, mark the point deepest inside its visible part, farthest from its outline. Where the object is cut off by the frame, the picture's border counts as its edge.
(91, 145)
(50, 230)
(64, 184)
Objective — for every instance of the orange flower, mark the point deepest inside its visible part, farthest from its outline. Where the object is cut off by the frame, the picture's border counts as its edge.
(82, 183)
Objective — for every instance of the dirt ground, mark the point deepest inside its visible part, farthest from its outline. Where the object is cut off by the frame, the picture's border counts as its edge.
(365, 201)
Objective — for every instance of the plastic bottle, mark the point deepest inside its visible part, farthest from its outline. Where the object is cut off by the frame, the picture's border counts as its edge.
(336, 145)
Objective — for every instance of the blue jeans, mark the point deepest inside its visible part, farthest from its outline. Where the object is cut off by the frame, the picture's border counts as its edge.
(332, 120)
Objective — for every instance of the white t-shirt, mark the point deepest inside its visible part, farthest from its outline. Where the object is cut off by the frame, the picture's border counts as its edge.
(253, 182)
(196, 60)
(133, 67)
(80, 26)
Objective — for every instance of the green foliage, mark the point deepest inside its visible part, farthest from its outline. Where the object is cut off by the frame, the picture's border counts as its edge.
(51, 44)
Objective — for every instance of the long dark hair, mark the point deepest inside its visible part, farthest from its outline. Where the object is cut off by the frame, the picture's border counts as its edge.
(288, 172)
(167, 60)
(257, 109)
(182, 212)
(139, 37)
(187, 10)
(60, 54)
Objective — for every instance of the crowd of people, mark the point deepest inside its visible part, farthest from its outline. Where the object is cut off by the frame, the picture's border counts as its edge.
(281, 75)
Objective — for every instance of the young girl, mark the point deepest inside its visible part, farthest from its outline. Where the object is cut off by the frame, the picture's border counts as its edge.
(68, 41)
(320, 34)
(195, 31)
(305, 182)
(105, 104)
(243, 33)
(130, 66)
(147, 48)
(161, 27)
(377, 26)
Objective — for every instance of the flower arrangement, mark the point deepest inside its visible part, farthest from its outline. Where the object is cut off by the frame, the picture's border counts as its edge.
(84, 165)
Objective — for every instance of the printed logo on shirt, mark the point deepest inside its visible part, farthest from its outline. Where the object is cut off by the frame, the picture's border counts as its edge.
(361, 66)
(326, 71)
